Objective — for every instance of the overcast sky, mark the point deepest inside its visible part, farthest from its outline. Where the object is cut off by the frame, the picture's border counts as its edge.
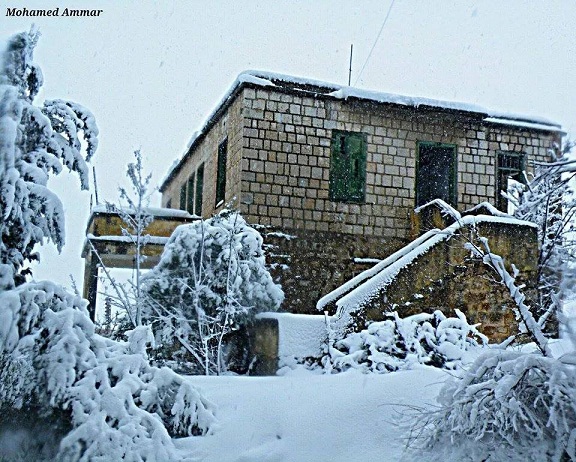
(151, 72)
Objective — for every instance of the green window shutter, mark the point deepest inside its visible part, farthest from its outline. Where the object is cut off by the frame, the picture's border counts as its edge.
(348, 167)
(190, 201)
(199, 190)
(183, 197)
(221, 173)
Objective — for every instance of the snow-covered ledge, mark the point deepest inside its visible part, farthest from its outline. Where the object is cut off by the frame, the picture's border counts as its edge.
(283, 338)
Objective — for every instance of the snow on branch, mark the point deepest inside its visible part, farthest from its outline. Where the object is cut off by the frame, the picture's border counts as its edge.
(119, 406)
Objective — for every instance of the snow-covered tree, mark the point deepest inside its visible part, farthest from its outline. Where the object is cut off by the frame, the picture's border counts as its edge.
(211, 280)
(133, 210)
(399, 343)
(508, 405)
(35, 141)
(548, 201)
(115, 405)
(109, 402)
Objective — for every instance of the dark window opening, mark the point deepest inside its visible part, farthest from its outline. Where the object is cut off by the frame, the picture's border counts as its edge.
(199, 189)
(511, 166)
(169, 204)
(436, 173)
(221, 172)
(183, 197)
(348, 167)
(190, 201)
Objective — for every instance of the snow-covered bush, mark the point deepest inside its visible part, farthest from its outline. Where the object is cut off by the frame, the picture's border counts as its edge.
(34, 143)
(210, 282)
(548, 200)
(117, 405)
(398, 343)
(509, 406)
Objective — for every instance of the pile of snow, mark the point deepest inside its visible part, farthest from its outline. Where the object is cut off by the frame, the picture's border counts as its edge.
(301, 337)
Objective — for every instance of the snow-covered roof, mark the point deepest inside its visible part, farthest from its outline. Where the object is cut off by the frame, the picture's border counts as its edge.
(316, 88)
(156, 212)
(158, 240)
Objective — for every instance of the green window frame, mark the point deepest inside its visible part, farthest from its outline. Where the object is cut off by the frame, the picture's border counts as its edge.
(221, 172)
(348, 167)
(183, 196)
(190, 199)
(509, 164)
(436, 172)
(199, 190)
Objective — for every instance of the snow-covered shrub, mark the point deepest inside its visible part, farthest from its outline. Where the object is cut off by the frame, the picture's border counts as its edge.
(117, 405)
(210, 282)
(548, 200)
(34, 143)
(398, 343)
(509, 406)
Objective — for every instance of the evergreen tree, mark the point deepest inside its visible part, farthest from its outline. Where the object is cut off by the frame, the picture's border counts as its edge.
(34, 143)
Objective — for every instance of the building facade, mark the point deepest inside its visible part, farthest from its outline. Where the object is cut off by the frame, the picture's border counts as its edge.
(332, 174)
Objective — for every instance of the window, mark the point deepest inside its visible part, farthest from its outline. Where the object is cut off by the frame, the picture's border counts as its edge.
(348, 167)
(221, 172)
(199, 187)
(511, 166)
(190, 201)
(169, 204)
(436, 173)
(183, 197)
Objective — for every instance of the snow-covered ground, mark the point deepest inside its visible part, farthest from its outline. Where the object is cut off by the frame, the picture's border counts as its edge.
(306, 417)
(303, 417)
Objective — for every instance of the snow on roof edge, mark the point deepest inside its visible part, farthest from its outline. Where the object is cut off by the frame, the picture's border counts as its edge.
(266, 79)
(517, 122)
(155, 211)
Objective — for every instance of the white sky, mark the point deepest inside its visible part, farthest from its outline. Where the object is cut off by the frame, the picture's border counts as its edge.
(152, 71)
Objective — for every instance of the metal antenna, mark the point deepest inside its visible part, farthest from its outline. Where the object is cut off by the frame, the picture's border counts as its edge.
(350, 68)
(95, 185)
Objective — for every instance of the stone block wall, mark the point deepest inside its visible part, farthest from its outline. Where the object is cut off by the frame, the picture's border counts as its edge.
(309, 264)
(226, 125)
(287, 149)
(446, 278)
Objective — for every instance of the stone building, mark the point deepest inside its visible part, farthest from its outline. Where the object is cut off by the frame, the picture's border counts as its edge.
(332, 174)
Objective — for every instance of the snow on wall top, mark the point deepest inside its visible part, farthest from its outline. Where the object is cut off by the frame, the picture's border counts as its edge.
(300, 335)
(332, 90)
(361, 289)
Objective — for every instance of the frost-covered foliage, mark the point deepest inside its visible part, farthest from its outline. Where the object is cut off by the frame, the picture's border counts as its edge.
(210, 282)
(118, 406)
(399, 343)
(509, 406)
(34, 143)
(134, 211)
(549, 202)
